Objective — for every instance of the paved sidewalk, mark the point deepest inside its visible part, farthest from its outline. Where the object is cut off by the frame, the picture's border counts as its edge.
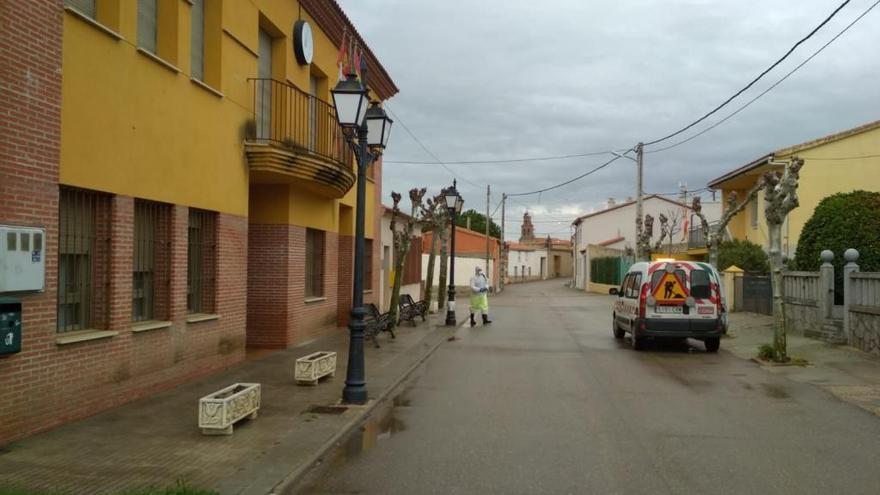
(155, 441)
(849, 374)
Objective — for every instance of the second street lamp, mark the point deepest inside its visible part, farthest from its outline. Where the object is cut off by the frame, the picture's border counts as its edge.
(372, 127)
(453, 202)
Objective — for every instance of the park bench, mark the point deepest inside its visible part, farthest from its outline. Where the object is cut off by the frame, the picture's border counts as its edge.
(411, 309)
(377, 322)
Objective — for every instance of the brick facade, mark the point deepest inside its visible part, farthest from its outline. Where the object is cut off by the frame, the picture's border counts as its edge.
(50, 383)
(279, 314)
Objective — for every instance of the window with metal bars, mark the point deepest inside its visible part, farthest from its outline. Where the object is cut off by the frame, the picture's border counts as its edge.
(314, 263)
(201, 261)
(368, 264)
(83, 259)
(151, 263)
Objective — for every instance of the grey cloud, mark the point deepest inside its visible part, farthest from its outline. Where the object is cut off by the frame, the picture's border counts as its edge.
(494, 79)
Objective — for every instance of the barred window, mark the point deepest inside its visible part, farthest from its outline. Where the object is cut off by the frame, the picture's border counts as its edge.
(150, 267)
(197, 52)
(83, 259)
(314, 263)
(148, 21)
(368, 264)
(201, 261)
(85, 7)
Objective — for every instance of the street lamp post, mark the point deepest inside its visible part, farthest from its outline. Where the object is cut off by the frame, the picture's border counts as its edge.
(371, 127)
(453, 202)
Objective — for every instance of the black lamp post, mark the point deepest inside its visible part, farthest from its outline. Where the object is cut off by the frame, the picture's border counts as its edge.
(372, 128)
(453, 203)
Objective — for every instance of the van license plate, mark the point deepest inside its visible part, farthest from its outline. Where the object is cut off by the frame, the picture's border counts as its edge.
(667, 309)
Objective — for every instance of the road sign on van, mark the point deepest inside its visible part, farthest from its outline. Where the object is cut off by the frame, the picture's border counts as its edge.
(670, 289)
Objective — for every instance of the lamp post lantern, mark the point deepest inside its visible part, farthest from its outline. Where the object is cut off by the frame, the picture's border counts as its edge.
(370, 127)
(453, 202)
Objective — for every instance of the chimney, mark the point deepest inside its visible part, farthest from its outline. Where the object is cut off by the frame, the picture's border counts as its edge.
(629, 199)
(610, 203)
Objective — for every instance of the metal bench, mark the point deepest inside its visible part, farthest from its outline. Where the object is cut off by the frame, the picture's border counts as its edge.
(410, 309)
(377, 322)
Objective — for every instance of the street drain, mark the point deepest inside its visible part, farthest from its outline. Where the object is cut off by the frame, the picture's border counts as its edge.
(327, 409)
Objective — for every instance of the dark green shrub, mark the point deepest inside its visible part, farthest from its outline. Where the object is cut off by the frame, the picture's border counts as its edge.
(744, 254)
(842, 221)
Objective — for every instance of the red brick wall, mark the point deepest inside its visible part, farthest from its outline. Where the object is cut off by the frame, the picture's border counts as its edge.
(345, 279)
(268, 274)
(30, 142)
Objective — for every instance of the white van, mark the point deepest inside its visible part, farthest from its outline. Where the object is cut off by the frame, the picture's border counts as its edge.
(668, 298)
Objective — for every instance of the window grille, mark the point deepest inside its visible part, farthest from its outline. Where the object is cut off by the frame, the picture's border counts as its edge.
(83, 259)
(151, 263)
(314, 263)
(197, 52)
(147, 24)
(85, 7)
(201, 261)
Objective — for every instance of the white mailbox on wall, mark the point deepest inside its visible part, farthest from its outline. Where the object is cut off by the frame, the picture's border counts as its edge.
(22, 258)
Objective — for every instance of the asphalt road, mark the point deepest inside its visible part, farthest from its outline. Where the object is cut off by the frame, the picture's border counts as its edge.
(546, 401)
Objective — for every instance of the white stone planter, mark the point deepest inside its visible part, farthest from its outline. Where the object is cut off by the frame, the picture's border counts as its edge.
(309, 369)
(218, 411)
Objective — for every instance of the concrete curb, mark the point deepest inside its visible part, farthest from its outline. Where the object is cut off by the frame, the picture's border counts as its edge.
(292, 479)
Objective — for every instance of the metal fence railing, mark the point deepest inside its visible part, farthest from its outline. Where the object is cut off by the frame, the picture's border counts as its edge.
(287, 115)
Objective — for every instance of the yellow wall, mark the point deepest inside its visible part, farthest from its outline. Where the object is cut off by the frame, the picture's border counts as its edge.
(132, 125)
(818, 179)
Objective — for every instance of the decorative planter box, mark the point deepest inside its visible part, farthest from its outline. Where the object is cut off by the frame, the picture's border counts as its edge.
(218, 411)
(309, 369)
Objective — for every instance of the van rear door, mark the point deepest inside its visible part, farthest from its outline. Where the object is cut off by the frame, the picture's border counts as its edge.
(705, 311)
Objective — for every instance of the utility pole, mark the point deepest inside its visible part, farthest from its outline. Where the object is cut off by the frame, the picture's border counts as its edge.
(488, 275)
(639, 220)
(501, 252)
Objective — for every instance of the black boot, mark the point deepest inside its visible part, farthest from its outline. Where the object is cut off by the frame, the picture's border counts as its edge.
(473, 321)
(486, 320)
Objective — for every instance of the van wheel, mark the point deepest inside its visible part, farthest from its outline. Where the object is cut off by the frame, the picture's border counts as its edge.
(712, 344)
(618, 332)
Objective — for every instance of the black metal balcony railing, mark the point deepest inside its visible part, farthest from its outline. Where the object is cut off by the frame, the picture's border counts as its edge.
(696, 237)
(288, 116)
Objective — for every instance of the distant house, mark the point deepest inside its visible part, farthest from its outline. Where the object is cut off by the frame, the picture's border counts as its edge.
(535, 258)
(840, 162)
(613, 229)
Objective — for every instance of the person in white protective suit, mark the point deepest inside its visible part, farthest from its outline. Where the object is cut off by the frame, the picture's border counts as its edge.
(480, 296)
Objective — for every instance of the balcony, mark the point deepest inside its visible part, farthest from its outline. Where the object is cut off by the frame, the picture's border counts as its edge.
(295, 139)
(696, 239)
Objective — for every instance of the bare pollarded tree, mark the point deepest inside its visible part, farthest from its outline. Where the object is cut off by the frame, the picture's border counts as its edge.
(402, 241)
(714, 237)
(434, 219)
(780, 197)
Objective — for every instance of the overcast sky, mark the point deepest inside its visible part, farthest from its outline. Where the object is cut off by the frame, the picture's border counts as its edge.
(505, 79)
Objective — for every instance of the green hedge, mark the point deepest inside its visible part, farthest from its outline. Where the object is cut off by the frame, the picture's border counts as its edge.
(743, 254)
(840, 222)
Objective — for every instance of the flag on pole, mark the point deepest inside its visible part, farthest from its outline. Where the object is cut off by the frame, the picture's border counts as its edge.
(341, 58)
(357, 61)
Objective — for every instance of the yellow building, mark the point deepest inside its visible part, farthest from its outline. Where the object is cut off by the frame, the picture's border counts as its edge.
(841, 162)
(193, 188)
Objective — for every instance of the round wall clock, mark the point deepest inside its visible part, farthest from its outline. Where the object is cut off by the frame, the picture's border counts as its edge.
(303, 45)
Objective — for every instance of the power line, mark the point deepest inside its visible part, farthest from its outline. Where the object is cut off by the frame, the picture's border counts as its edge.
(752, 83)
(509, 160)
(425, 148)
(777, 83)
(591, 171)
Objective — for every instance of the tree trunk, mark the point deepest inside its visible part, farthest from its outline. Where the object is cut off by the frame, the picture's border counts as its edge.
(444, 263)
(779, 345)
(712, 244)
(429, 277)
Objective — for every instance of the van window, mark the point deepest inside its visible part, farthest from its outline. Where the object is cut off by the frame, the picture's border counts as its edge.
(632, 290)
(655, 278)
(624, 284)
(700, 285)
